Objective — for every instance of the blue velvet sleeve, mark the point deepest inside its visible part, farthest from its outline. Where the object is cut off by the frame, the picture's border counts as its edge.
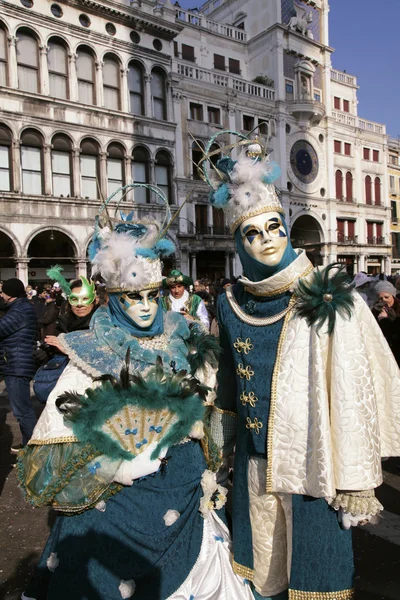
(226, 377)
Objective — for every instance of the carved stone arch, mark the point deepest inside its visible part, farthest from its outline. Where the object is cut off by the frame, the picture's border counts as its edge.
(118, 143)
(64, 133)
(14, 240)
(139, 62)
(89, 45)
(33, 128)
(307, 232)
(49, 228)
(113, 54)
(4, 25)
(167, 151)
(30, 28)
(61, 37)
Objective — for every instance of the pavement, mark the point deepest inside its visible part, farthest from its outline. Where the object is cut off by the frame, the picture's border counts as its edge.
(24, 530)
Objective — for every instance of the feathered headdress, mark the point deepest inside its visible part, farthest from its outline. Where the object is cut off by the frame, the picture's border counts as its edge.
(242, 188)
(127, 251)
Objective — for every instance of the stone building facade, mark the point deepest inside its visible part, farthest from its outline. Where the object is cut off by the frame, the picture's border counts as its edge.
(393, 174)
(98, 94)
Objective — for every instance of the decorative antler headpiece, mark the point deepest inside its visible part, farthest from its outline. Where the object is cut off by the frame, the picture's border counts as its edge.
(126, 251)
(242, 188)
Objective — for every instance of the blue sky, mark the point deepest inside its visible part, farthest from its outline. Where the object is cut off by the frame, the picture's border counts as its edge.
(365, 36)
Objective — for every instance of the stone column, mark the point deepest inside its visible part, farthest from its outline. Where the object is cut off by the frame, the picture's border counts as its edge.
(12, 62)
(388, 265)
(128, 169)
(179, 153)
(76, 172)
(103, 174)
(22, 269)
(362, 262)
(124, 91)
(147, 96)
(99, 83)
(16, 166)
(170, 108)
(81, 267)
(210, 221)
(193, 260)
(383, 265)
(227, 274)
(47, 170)
(231, 263)
(44, 71)
(152, 177)
(72, 80)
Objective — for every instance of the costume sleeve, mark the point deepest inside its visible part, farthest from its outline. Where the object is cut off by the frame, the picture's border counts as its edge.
(57, 469)
(222, 421)
(202, 314)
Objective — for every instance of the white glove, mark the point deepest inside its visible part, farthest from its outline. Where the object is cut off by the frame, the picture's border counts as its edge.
(139, 466)
(348, 520)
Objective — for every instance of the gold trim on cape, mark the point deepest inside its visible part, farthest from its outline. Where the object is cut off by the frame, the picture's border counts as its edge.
(342, 595)
(58, 440)
(283, 288)
(243, 571)
(222, 411)
(257, 321)
(274, 385)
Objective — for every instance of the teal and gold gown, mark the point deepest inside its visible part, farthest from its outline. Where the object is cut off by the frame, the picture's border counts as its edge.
(164, 536)
(305, 410)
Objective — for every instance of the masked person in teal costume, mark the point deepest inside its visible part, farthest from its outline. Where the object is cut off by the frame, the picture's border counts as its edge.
(117, 450)
(301, 400)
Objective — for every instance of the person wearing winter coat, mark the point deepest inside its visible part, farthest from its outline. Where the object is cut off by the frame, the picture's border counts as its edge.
(18, 330)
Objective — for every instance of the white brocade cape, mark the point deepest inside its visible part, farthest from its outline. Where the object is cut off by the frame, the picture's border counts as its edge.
(336, 407)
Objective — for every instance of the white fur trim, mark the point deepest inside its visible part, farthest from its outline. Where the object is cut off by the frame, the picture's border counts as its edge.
(170, 517)
(127, 588)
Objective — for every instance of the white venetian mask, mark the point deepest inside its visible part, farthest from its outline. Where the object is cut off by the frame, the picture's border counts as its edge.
(264, 238)
(141, 306)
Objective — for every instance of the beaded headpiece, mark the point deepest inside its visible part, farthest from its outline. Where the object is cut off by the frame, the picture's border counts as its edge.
(242, 188)
(127, 251)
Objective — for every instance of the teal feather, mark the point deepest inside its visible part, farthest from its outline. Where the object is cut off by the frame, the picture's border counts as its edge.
(55, 274)
(202, 348)
(310, 293)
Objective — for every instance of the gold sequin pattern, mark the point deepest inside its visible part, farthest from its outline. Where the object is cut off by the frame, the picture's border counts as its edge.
(256, 425)
(59, 440)
(249, 398)
(243, 346)
(255, 213)
(342, 595)
(245, 372)
(274, 385)
(243, 571)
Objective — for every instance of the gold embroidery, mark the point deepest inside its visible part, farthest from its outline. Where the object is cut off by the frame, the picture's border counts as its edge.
(59, 440)
(150, 286)
(257, 425)
(255, 213)
(281, 290)
(222, 411)
(342, 595)
(257, 321)
(243, 571)
(245, 372)
(243, 346)
(248, 399)
(274, 385)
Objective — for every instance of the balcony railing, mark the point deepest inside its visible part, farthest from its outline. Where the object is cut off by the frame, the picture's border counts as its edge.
(215, 230)
(353, 121)
(347, 239)
(223, 80)
(349, 200)
(376, 240)
(200, 20)
(342, 77)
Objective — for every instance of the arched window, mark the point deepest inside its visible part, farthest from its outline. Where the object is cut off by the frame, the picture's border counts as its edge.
(163, 174)
(140, 174)
(61, 161)
(349, 187)
(86, 77)
(3, 56)
(158, 94)
(27, 61)
(57, 62)
(111, 82)
(368, 190)
(339, 185)
(5, 159)
(197, 155)
(31, 162)
(214, 159)
(89, 168)
(377, 185)
(136, 88)
(115, 169)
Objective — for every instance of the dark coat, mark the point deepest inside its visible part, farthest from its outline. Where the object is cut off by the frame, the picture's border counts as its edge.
(18, 330)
